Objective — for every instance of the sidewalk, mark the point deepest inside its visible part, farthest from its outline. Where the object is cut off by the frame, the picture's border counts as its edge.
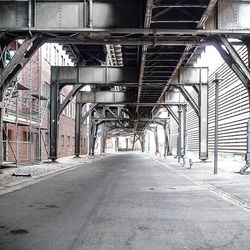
(228, 183)
(38, 172)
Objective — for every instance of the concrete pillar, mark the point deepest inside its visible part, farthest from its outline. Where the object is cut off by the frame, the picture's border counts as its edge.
(126, 144)
(54, 105)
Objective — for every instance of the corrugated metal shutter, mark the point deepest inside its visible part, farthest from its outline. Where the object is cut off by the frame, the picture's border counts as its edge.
(233, 110)
(233, 113)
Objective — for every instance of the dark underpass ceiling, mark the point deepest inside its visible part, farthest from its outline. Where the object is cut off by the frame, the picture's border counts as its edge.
(155, 63)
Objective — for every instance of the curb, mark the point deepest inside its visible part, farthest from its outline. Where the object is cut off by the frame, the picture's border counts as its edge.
(43, 177)
(218, 192)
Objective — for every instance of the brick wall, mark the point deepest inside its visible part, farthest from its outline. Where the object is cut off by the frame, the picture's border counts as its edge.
(36, 77)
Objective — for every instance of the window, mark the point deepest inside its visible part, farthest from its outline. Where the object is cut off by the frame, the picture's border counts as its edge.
(62, 140)
(73, 141)
(84, 142)
(68, 140)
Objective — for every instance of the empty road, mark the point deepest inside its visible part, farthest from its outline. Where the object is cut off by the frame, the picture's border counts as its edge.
(123, 201)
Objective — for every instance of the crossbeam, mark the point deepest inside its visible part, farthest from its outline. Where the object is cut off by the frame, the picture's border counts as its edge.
(94, 74)
(103, 97)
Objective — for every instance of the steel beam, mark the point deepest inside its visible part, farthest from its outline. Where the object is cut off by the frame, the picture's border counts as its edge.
(147, 104)
(140, 119)
(91, 108)
(103, 97)
(95, 74)
(96, 126)
(69, 97)
(55, 14)
(232, 59)
(174, 116)
(20, 59)
(190, 100)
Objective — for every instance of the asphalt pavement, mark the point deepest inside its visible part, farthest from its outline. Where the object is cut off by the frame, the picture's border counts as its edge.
(123, 201)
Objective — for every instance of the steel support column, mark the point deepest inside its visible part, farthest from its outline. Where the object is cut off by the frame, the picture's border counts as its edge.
(91, 133)
(180, 135)
(166, 140)
(184, 129)
(117, 144)
(94, 138)
(203, 123)
(142, 141)
(54, 118)
(126, 144)
(1, 124)
(78, 115)
(103, 139)
(133, 143)
(157, 148)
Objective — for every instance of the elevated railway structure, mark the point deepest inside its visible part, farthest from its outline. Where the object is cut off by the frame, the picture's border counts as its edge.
(131, 53)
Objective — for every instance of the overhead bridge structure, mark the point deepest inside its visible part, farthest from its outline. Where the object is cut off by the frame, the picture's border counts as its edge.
(131, 53)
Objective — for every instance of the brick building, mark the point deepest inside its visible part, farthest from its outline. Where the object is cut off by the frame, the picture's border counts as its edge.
(26, 124)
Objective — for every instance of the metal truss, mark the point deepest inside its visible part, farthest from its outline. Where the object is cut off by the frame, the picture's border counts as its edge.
(233, 60)
(20, 59)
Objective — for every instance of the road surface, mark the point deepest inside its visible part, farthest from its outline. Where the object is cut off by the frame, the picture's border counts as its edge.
(124, 201)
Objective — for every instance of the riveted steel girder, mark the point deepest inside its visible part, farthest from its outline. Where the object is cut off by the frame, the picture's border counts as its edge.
(95, 75)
